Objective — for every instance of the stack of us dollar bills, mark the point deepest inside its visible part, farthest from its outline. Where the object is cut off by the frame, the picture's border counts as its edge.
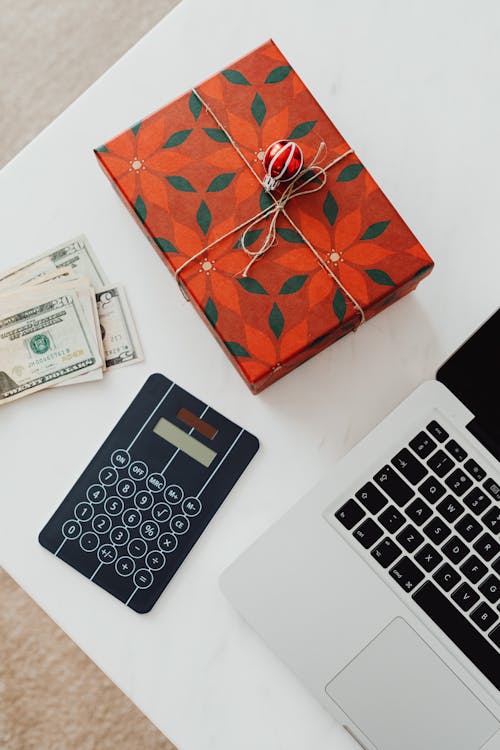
(61, 322)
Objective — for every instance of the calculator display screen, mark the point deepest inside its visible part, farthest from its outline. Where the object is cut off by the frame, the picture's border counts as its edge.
(184, 442)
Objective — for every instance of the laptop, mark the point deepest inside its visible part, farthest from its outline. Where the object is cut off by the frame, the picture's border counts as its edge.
(381, 587)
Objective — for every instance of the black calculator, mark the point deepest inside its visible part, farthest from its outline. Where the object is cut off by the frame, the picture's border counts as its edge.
(138, 508)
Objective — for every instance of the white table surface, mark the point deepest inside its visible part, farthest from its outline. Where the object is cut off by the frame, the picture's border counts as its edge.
(414, 88)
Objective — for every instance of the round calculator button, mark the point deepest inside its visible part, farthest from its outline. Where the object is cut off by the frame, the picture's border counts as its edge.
(149, 530)
(125, 488)
(167, 542)
(108, 476)
(114, 506)
(161, 512)
(120, 458)
(84, 511)
(143, 500)
(125, 566)
(132, 518)
(179, 524)
(138, 470)
(155, 560)
(96, 493)
(119, 535)
(71, 529)
(101, 523)
(143, 578)
(191, 506)
(107, 554)
(89, 541)
(155, 482)
(174, 494)
(137, 548)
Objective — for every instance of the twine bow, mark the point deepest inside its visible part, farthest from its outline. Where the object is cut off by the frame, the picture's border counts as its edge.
(294, 189)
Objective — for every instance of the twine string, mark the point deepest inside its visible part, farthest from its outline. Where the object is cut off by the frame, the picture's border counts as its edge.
(294, 189)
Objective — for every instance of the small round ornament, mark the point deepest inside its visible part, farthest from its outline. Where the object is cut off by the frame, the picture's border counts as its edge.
(283, 161)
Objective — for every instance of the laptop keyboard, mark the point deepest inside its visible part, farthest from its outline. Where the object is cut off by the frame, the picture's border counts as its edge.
(431, 519)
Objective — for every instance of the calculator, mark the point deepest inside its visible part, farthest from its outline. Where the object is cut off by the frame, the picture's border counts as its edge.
(147, 495)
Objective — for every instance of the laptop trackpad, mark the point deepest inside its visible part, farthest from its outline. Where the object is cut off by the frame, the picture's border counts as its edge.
(400, 694)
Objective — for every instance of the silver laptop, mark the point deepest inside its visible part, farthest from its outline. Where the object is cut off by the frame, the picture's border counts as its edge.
(381, 588)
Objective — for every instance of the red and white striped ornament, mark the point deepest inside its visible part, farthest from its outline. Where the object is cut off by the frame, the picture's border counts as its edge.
(283, 161)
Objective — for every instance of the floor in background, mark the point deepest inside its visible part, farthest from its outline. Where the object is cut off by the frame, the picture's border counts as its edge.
(52, 697)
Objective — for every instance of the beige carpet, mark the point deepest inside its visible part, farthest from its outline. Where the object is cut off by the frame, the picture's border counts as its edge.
(52, 697)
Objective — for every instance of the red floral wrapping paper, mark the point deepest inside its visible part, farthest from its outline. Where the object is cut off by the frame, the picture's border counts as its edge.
(188, 186)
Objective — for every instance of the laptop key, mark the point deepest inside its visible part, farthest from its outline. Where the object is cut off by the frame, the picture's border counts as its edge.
(495, 636)
(477, 501)
(437, 531)
(496, 565)
(475, 470)
(409, 466)
(428, 557)
(371, 498)
(484, 616)
(447, 577)
(368, 533)
(458, 482)
(493, 488)
(456, 450)
(450, 508)
(468, 527)
(490, 588)
(440, 463)
(418, 511)
(422, 444)
(350, 514)
(394, 486)
(437, 431)
(386, 552)
(391, 519)
(455, 550)
(410, 538)
(432, 489)
(465, 596)
(474, 569)
(406, 573)
(491, 519)
(487, 547)
(458, 628)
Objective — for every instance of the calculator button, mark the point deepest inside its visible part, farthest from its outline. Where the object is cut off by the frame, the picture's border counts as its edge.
(125, 566)
(119, 535)
(107, 554)
(71, 529)
(89, 541)
(114, 506)
(125, 488)
(96, 493)
(120, 458)
(137, 547)
(132, 518)
(108, 476)
(155, 482)
(155, 560)
(179, 524)
(143, 578)
(138, 470)
(143, 500)
(173, 494)
(161, 512)
(101, 523)
(84, 511)
(149, 530)
(167, 542)
(191, 506)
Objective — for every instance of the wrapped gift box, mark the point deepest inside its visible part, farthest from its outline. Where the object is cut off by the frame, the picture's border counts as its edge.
(192, 175)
